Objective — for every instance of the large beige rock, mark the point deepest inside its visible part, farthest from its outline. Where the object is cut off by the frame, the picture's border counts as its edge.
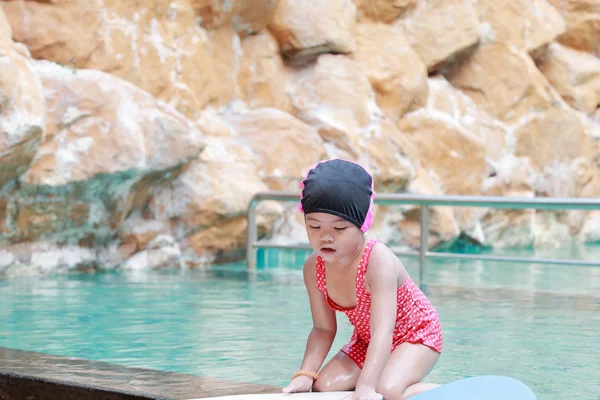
(439, 30)
(284, 147)
(21, 107)
(514, 177)
(212, 188)
(552, 138)
(6, 33)
(136, 233)
(389, 157)
(526, 24)
(445, 98)
(505, 82)
(161, 49)
(67, 31)
(246, 16)
(99, 124)
(574, 74)
(394, 69)
(261, 74)
(208, 202)
(383, 10)
(161, 252)
(564, 164)
(305, 28)
(43, 258)
(583, 24)
(106, 141)
(444, 148)
(335, 97)
(479, 224)
(443, 226)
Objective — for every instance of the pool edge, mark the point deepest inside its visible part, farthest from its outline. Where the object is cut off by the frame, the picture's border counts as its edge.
(26, 374)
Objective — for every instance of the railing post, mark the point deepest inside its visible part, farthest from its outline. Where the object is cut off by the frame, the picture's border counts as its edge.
(424, 246)
(250, 249)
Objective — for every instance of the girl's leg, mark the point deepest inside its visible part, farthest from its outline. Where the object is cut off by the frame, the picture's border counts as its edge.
(339, 374)
(407, 366)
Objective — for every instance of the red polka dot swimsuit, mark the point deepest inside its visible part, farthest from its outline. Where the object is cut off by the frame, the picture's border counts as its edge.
(416, 319)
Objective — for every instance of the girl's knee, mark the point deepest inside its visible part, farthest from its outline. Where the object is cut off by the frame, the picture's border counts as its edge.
(392, 390)
(322, 385)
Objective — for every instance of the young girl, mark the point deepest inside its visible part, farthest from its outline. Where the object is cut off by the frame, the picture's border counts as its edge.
(397, 337)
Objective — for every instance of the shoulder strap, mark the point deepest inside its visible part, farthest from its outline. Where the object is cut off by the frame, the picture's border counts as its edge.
(364, 264)
(320, 274)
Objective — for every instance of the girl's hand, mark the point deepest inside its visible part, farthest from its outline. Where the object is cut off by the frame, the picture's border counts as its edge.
(301, 383)
(364, 394)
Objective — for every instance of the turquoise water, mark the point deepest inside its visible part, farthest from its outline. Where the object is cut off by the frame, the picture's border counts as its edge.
(539, 324)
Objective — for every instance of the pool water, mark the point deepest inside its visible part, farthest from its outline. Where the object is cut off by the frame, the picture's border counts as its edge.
(539, 324)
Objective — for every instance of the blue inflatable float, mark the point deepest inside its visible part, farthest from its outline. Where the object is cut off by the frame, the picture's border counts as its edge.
(486, 387)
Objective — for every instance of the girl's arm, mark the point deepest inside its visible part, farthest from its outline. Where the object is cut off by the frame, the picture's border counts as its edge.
(324, 328)
(382, 279)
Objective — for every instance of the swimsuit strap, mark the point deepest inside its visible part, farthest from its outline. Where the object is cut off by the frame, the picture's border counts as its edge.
(320, 275)
(362, 267)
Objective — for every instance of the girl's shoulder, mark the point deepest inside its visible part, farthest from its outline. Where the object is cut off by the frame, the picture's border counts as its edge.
(383, 263)
(309, 268)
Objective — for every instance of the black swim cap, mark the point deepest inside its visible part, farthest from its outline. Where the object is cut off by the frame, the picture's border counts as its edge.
(339, 187)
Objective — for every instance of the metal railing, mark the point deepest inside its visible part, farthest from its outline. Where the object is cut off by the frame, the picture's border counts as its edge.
(425, 201)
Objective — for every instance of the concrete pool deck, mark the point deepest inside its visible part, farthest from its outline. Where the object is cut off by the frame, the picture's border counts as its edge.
(37, 376)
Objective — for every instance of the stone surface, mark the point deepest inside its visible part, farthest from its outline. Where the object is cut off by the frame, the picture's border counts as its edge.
(335, 97)
(443, 149)
(526, 24)
(574, 74)
(505, 82)
(47, 28)
(514, 177)
(388, 157)
(99, 124)
(439, 30)
(583, 24)
(208, 201)
(443, 226)
(21, 107)
(383, 10)
(460, 108)
(246, 16)
(261, 75)
(163, 251)
(283, 146)
(564, 165)
(569, 141)
(160, 48)
(396, 72)
(105, 140)
(305, 28)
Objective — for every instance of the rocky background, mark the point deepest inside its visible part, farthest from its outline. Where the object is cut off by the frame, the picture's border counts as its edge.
(134, 133)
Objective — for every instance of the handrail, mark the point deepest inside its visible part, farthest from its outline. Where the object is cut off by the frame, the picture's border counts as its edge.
(424, 201)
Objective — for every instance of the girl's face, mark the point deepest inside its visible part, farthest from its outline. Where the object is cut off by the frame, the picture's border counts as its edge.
(331, 237)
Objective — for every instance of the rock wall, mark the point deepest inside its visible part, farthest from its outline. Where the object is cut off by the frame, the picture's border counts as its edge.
(133, 134)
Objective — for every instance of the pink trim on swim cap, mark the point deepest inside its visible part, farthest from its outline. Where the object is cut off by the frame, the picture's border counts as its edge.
(369, 218)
